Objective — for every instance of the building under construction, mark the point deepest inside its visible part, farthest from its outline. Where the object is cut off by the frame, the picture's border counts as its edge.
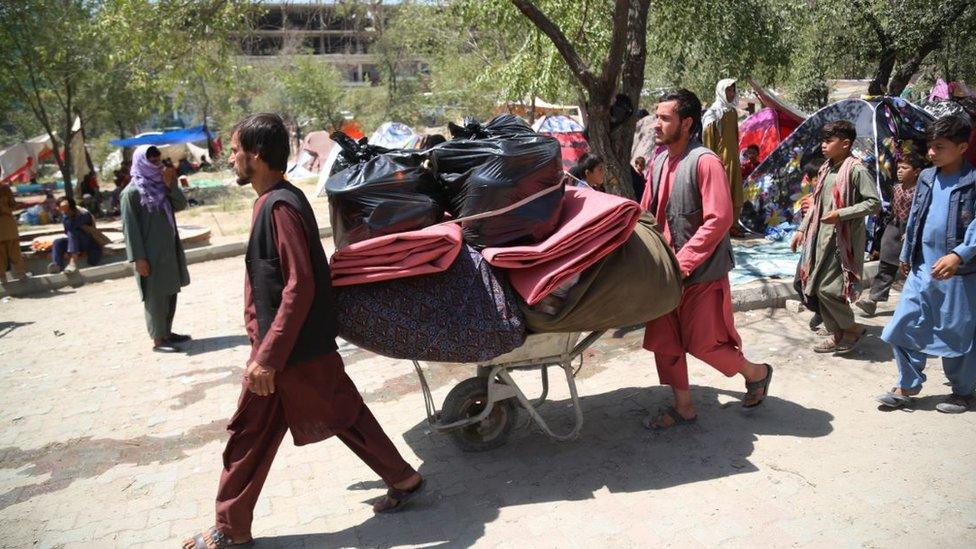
(341, 34)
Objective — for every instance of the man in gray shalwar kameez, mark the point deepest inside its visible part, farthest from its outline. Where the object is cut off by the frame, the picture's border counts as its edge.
(153, 244)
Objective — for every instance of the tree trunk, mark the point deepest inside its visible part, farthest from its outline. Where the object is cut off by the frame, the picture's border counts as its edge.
(602, 143)
(883, 74)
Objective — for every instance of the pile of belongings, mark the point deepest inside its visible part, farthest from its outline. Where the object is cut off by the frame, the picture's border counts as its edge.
(456, 252)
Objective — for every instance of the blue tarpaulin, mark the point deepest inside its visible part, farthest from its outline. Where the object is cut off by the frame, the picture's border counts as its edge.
(186, 135)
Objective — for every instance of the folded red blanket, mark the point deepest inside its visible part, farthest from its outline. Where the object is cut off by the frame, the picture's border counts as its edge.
(424, 251)
(592, 225)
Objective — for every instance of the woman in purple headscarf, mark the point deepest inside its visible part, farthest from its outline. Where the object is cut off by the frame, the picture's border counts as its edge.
(153, 244)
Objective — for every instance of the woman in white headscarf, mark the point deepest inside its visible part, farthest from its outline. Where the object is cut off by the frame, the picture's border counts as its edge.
(720, 133)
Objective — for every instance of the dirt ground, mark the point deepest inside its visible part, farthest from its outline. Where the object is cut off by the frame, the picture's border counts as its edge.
(105, 444)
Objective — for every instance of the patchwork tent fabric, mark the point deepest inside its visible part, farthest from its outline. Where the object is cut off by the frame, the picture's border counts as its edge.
(884, 128)
(569, 133)
(467, 313)
(766, 129)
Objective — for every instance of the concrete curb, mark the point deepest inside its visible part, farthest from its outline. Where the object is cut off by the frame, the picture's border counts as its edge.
(765, 294)
(90, 275)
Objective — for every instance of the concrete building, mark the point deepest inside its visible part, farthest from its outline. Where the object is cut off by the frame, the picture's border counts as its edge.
(339, 34)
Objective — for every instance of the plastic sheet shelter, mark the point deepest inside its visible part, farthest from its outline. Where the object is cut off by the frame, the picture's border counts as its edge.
(884, 128)
(766, 128)
(185, 135)
(569, 133)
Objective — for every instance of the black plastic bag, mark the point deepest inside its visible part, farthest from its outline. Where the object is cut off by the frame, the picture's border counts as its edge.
(352, 152)
(503, 125)
(390, 193)
(481, 175)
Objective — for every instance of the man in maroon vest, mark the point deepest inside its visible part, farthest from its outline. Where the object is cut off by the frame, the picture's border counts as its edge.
(688, 193)
(295, 379)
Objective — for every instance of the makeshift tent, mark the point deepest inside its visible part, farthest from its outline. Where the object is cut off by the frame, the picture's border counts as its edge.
(884, 127)
(185, 135)
(529, 108)
(394, 135)
(786, 110)
(766, 129)
(569, 133)
(18, 163)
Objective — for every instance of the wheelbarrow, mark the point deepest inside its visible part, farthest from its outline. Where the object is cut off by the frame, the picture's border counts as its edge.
(480, 412)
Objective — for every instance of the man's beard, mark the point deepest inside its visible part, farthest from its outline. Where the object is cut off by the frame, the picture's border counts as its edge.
(666, 139)
(245, 179)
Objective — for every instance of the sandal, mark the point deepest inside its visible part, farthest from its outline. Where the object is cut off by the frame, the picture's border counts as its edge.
(846, 345)
(753, 387)
(394, 499)
(676, 418)
(218, 540)
(893, 400)
(828, 345)
(956, 404)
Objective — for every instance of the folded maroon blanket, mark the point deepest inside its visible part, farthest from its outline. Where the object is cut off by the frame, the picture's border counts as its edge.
(424, 251)
(592, 225)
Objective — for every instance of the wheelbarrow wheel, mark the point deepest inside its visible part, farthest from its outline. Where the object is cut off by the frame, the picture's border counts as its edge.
(466, 400)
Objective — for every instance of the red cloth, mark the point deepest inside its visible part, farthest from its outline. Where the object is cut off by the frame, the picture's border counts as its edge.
(592, 224)
(702, 326)
(716, 207)
(425, 251)
(257, 429)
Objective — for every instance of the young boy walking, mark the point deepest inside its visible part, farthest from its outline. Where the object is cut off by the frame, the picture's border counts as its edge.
(909, 166)
(936, 315)
(833, 237)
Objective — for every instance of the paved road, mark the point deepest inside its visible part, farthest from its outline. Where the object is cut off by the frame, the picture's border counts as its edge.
(104, 444)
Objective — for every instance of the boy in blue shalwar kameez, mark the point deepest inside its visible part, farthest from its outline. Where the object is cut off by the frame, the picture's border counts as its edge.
(936, 316)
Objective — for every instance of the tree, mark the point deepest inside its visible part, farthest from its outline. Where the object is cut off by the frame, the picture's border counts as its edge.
(48, 48)
(904, 42)
(622, 74)
(105, 59)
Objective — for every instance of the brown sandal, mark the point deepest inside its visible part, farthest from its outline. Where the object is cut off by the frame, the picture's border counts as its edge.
(845, 344)
(394, 499)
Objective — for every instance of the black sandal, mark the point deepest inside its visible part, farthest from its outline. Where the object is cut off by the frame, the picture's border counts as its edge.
(753, 387)
(675, 415)
(218, 539)
(395, 499)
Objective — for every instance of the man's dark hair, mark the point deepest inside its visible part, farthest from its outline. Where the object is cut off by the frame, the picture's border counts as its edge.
(689, 106)
(841, 129)
(753, 147)
(265, 134)
(954, 128)
(586, 163)
(153, 151)
(72, 205)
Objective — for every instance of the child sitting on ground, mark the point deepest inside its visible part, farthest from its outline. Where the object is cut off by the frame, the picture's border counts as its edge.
(935, 316)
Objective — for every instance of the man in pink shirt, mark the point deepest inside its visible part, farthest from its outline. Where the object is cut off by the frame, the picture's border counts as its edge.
(688, 193)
